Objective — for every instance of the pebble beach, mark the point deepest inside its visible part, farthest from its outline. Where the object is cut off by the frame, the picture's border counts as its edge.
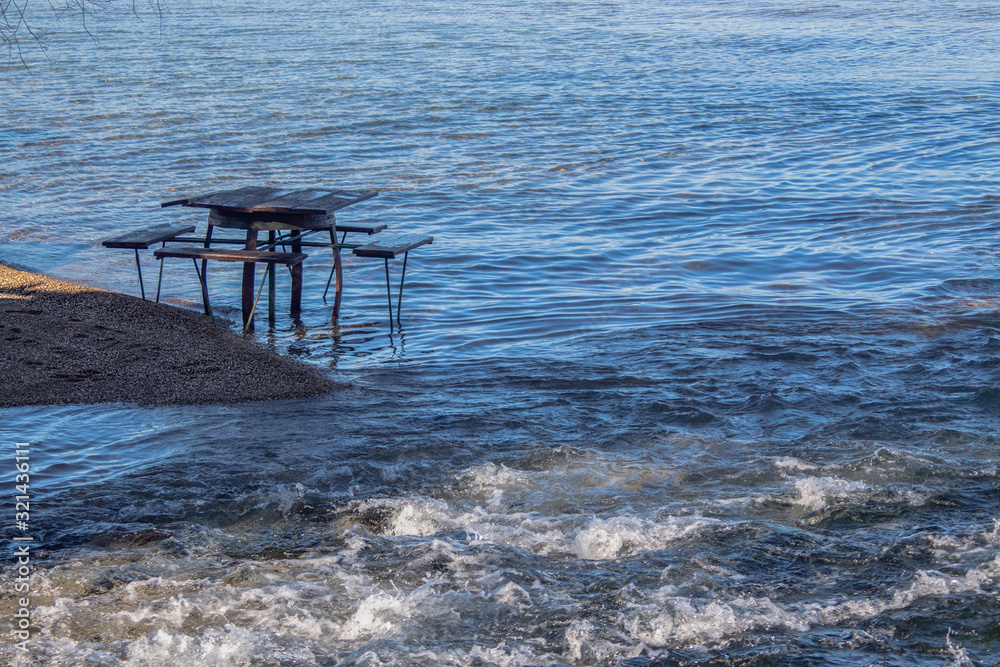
(68, 343)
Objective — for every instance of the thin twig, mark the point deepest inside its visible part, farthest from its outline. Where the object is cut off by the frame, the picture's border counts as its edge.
(14, 23)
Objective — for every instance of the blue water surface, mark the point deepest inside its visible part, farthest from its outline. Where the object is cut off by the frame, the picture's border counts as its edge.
(700, 369)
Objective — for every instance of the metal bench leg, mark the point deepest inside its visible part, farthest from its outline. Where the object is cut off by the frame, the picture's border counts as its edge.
(247, 302)
(328, 281)
(248, 324)
(388, 290)
(338, 287)
(336, 271)
(402, 279)
(202, 278)
(138, 267)
(159, 281)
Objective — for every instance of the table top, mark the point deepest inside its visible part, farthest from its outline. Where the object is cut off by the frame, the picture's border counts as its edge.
(256, 199)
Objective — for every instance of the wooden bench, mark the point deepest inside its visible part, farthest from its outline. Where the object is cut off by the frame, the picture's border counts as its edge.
(362, 227)
(293, 260)
(141, 239)
(390, 247)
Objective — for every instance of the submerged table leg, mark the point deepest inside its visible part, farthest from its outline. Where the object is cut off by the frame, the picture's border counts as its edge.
(204, 262)
(296, 271)
(248, 283)
(270, 283)
(296, 287)
(338, 274)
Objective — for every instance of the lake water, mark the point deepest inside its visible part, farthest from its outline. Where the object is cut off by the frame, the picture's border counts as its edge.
(701, 368)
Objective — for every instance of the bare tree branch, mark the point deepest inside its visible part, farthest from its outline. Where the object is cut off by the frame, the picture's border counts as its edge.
(12, 24)
(15, 31)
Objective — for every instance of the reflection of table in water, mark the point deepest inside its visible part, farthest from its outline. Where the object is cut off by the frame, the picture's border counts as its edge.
(272, 209)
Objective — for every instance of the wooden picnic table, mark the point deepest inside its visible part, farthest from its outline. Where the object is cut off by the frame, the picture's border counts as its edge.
(273, 209)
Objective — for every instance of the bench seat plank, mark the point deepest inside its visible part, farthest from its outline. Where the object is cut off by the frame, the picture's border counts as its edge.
(218, 254)
(143, 238)
(361, 227)
(391, 246)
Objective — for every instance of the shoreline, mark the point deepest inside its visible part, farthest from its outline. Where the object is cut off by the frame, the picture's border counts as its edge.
(65, 343)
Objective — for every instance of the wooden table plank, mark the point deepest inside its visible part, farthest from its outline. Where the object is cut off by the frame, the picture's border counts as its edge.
(237, 199)
(292, 201)
(341, 198)
(184, 201)
(207, 196)
(313, 202)
(266, 199)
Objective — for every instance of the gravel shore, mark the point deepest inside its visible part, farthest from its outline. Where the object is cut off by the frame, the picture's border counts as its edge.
(67, 343)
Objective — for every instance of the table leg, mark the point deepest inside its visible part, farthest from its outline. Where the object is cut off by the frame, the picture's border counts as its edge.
(204, 262)
(338, 273)
(296, 274)
(248, 282)
(271, 298)
(296, 288)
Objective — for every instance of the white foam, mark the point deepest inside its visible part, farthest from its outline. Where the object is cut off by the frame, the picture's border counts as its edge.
(565, 534)
(541, 536)
(378, 615)
(500, 655)
(577, 633)
(419, 517)
(512, 595)
(623, 536)
(816, 492)
(960, 657)
(504, 656)
(585, 646)
(225, 647)
(281, 497)
(681, 620)
(337, 600)
(793, 463)
(490, 476)
(45, 649)
(953, 549)
(288, 495)
(318, 601)
(669, 619)
(491, 480)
